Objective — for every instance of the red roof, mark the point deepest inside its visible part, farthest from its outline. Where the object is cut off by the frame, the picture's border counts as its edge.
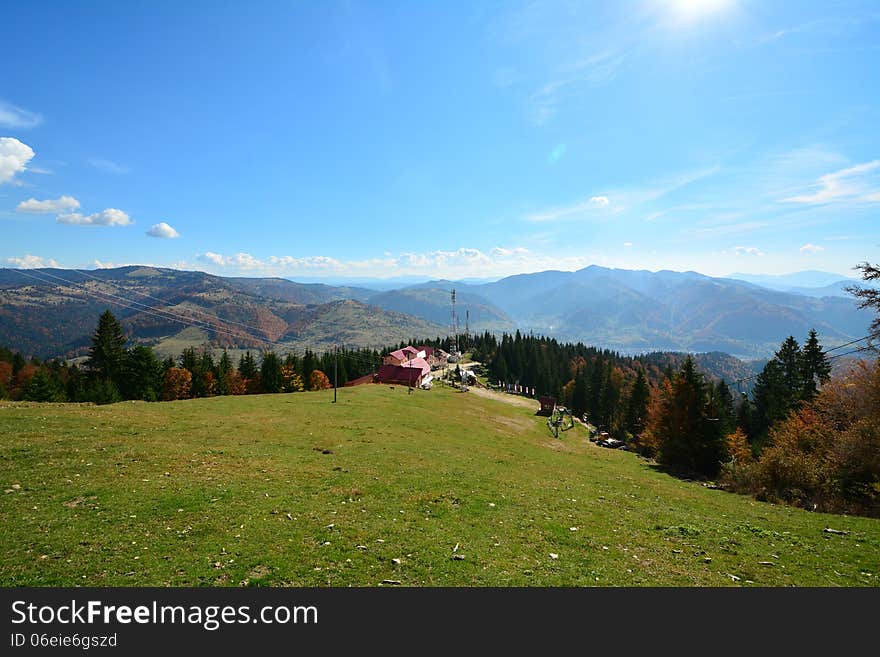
(407, 376)
(418, 363)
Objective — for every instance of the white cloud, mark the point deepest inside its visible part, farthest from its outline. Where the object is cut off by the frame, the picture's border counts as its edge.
(748, 250)
(16, 117)
(108, 166)
(502, 252)
(163, 230)
(459, 263)
(857, 182)
(627, 244)
(108, 217)
(313, 262)
(14, 156)
(811, 248)
(591, 204)
(49, 206)
(31, 262)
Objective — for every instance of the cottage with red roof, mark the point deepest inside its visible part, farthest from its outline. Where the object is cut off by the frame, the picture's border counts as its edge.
(402, 356)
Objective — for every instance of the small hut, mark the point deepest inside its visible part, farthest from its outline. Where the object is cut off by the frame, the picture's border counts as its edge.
(548, 405)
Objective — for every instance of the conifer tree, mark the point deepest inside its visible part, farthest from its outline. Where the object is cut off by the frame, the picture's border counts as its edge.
(143, 375)
(691, 438)
(637, 405)
(869, 296)
(816, 368)
(790, 360)
(107, 354)
(579, 394)
(270, 373)
(771, 399)
(247, 366)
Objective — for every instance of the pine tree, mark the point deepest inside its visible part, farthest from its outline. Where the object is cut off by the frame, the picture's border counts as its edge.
(637, 406)
(247, 366)
(308, 364)
(745, 418)
(43, 388)
(869, 296)
(18, 363)
(270, 373)
(790, 360)
(76, 384)
(107, 355)
(499, 365)
(690, 435)
(579, 394)
(816, 368)
(143, 375)
(723, 404)
(224, 367)
(771, 400)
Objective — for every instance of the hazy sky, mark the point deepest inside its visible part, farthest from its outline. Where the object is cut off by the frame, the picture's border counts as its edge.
(454, 139)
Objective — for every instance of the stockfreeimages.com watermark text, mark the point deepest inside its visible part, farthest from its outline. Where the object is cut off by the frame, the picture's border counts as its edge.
(209, 617)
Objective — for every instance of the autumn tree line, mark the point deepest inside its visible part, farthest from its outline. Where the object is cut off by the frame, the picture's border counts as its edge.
(800, 437)
(115, 372)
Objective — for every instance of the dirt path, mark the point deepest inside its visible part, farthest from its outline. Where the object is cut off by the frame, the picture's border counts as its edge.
(514, 400)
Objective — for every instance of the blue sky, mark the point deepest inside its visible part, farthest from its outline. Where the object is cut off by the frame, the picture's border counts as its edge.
(465, 139)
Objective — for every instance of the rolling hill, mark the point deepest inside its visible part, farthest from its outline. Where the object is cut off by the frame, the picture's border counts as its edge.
(291, 490)
(51, 312)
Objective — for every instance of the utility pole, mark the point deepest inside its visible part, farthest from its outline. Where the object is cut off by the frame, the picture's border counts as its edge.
(335, 373)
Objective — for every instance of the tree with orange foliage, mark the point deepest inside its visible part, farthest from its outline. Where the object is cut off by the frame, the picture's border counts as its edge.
(826, 455)
(210, 384)
(177, 384)
(22, 378)
(738, 448)
(292, 382)
(235, 384)
(318, 381)
(5, 378)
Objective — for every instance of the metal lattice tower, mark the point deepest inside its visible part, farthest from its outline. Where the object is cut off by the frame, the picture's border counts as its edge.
(454, 326)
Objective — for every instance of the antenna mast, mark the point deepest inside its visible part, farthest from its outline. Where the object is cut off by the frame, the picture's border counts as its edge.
(454, 326)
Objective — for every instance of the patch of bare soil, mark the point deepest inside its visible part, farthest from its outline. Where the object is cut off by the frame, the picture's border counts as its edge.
(514, 400)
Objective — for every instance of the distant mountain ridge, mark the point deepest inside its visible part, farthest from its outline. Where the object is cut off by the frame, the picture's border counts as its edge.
(52, 312)
(631, 311)
(637, 310)
(432, 301)
(810, 283)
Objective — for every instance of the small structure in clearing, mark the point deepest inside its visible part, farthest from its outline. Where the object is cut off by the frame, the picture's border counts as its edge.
(548, 405)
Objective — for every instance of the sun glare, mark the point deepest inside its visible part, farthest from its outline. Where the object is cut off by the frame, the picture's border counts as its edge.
(691, 10)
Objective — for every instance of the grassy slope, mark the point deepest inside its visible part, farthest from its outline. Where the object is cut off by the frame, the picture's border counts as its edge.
(198, 493)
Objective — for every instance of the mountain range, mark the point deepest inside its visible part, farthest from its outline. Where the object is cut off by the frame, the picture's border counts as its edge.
(636, 311)
(49, 312)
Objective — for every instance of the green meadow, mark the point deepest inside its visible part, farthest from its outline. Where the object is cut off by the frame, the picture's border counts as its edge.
(383, 488)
